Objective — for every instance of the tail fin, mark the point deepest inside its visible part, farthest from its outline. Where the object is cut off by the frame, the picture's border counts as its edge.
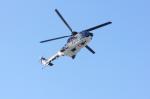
(45, 62)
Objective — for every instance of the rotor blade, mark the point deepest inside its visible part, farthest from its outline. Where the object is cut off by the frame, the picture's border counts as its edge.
(63, 20)
(98, 26)
(54, 39)
(90, 49)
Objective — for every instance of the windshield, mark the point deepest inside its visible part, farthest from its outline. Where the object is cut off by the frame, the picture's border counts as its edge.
(70, 39)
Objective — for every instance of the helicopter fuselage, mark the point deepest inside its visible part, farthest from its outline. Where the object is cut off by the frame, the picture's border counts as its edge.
(76, 42)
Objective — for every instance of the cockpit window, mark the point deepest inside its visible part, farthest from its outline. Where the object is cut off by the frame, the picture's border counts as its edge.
(70, 39)
(84, 34)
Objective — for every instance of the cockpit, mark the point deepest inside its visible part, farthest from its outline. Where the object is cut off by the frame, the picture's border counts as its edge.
(71, 39)
(86, 34)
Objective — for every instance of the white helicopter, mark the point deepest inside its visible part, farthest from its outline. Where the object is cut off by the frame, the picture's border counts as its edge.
(76, 41)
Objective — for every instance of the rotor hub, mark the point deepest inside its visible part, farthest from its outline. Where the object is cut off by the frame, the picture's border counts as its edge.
(74, 33)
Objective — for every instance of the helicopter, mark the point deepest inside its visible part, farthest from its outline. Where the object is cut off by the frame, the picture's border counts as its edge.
(76, 41)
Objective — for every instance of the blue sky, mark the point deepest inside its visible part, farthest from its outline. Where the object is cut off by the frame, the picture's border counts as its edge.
(119, 69)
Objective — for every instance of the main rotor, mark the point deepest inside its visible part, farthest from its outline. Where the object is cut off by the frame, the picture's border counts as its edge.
(70, 29)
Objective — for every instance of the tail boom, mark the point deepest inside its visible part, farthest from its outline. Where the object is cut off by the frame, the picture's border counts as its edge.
(47, 62)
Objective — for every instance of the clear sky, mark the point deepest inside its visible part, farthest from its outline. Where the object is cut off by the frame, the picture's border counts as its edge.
(120, 69)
